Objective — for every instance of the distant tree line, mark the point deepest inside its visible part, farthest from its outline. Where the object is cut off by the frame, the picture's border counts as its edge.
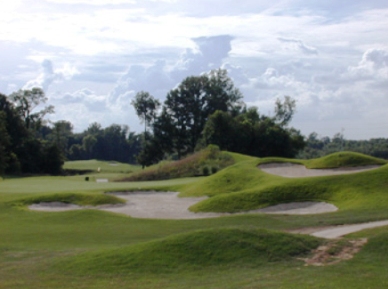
(320, 146)
(201, 110)
(31, 145)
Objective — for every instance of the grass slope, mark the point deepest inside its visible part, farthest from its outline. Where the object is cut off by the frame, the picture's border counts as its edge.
(343, 159)
(94, 249)
(195, 250)
(244, 187)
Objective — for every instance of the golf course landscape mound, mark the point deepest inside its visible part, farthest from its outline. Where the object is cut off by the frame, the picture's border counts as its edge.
(196, 250)
(238, 227)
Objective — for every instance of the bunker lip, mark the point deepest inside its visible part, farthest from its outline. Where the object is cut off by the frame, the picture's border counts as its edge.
(290, 170)
(167, 205)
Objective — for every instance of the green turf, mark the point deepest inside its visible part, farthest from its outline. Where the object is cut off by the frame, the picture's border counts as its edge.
(101, 166)
(96, 249)
(195, 250)
(343, 159)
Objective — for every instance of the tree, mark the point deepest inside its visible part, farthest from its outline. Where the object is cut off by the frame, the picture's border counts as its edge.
(284, 111)
(5, 142)
(146, 107)
(61, 132)
(188, 107)
(252, 134)
(26, 101)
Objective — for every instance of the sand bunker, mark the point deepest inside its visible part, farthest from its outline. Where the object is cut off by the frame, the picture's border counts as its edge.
(167, 205)
(54, 207)
(290, 170)
(299, 208)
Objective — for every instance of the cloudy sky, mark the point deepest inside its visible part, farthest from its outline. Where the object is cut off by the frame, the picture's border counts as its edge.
(92, 56)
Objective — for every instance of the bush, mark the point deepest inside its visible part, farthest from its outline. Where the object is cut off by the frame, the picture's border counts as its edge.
(205, 171)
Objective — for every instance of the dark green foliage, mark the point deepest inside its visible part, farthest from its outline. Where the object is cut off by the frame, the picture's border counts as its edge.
(196, 250)
(26, 101)
(250, 134)
(188, 107)
(113, 143)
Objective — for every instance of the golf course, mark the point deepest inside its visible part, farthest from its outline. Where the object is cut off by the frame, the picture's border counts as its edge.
(211, 220)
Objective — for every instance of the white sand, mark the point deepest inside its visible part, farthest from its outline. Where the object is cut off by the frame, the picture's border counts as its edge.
(289, 170)
(167, 205)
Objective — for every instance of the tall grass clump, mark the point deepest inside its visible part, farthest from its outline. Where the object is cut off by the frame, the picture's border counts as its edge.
(200, 163)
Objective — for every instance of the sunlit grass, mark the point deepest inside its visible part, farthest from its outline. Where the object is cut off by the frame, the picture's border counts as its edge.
(96, 249)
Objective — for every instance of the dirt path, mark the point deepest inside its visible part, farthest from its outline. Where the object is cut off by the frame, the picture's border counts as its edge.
(339, 231)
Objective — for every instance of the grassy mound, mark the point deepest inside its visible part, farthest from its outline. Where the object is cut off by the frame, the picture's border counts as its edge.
(243, 187)
(343, 159)
(202, 163)
(196, 250)
(256, 199)
(72, 198)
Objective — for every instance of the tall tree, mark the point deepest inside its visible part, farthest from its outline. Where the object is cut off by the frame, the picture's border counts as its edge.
(26, 101)
(188, 107)
(284, 111)
(146, 107)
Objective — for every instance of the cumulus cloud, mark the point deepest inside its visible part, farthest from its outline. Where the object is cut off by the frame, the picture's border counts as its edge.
(298, 44)
(48, 75)
(374, 64)
(208, 53)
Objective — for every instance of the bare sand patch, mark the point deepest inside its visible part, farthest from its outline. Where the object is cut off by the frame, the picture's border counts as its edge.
(290, 170)
(167, 205)
(157, 205)
(299, 208)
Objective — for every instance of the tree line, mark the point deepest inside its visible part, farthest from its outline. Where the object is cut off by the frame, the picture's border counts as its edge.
(320, 146)
(201, 110)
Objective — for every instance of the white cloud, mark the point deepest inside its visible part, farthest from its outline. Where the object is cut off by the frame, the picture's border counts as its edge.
(93, 2)
(299, 45)
(374, 64)
(48, 75)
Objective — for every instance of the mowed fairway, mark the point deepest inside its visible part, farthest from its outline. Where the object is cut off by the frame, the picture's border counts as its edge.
(96, 249)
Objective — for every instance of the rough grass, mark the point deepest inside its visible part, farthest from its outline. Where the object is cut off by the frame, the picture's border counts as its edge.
(202, 163)
(195, 250)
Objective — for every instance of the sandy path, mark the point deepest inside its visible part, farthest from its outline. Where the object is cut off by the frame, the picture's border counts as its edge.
(339, 231)
(289, 170)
